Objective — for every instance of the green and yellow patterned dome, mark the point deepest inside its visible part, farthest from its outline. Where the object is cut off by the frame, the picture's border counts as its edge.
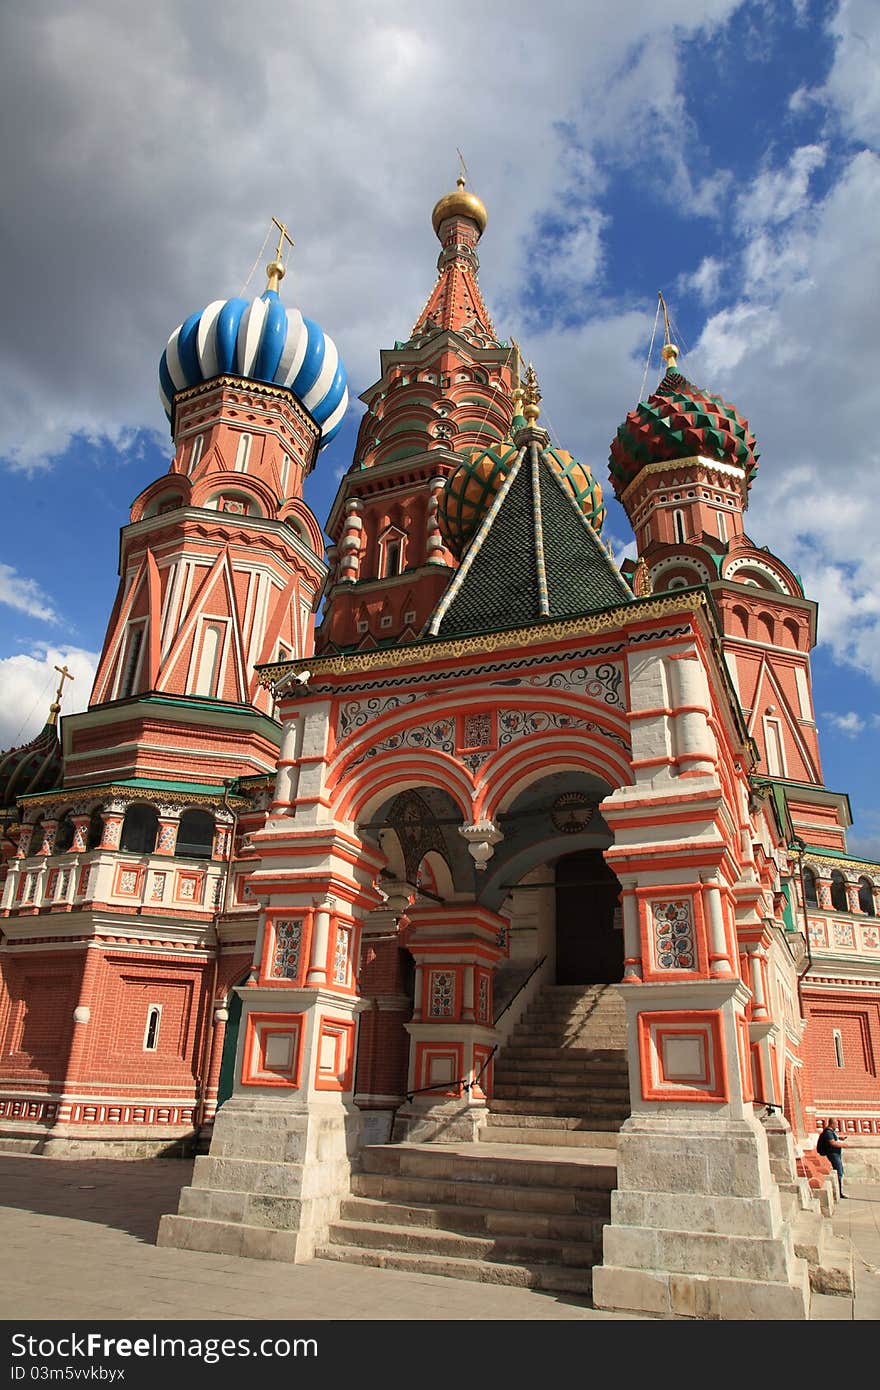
(476, 482)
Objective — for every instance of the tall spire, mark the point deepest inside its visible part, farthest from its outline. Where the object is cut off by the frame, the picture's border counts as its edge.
(455, 303)
(669, 350)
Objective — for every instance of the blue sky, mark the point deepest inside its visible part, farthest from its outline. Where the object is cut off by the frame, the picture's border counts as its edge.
(724, 152)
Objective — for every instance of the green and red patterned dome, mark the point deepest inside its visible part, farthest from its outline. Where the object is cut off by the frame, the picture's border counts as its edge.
(476, 482)
(681, 421)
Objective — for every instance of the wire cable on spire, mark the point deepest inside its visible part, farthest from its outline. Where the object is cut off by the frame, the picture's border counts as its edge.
(650, 348)
(260, 255)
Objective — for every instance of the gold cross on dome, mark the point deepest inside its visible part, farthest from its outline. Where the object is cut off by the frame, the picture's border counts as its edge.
(65, 676)
(275, 269)
(283, 235)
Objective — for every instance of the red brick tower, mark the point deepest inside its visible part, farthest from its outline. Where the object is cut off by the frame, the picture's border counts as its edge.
(445, 389)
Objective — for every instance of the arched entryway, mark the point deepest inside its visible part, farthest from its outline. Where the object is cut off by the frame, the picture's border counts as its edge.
(589, 937)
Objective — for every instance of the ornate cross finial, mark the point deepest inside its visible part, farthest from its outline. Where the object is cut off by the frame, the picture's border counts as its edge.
(669, 350)
(275, 269)
(531, 410)
(641, 585)
(55, 707)
(463, 173)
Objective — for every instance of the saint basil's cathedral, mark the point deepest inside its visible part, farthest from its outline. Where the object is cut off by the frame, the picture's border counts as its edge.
(467, 903)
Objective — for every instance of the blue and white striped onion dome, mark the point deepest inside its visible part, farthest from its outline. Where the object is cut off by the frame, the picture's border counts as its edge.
(262, 340)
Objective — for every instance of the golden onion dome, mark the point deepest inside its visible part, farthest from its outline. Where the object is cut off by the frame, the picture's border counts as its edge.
(460, 204)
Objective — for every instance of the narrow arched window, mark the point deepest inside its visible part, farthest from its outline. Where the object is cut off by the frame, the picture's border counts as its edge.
(243, 454)
(64, 834)
(139, 829)
(838, 892)
(866, 896)
(722, 526)
(132, 661)
(196, 453)
(811, 897)
(151, 1032)
(838, 1046)
(195, 837)
(678, 524)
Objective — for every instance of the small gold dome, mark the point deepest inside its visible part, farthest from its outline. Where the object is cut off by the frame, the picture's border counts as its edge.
(460, 204)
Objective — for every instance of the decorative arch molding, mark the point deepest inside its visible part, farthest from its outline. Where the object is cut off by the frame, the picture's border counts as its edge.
(300, 519)
(435, 875)
(415, 722)
(364, 794)
(170, 485)
(682, 560)
(739, 568)
(244, 485)
(519, 768)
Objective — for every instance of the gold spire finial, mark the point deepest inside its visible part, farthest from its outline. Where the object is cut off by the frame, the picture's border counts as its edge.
(531, 409)
(55, 707)
(276, 268)
(669, 350)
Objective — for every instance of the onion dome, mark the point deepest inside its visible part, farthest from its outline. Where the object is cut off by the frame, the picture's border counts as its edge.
(34, 767)
(460, 204)
(261, 340)
(681, 421)
(473, 487)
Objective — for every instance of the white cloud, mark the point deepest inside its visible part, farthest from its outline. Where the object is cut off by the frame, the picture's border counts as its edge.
(851, 723)
(796, 354)
(852, 90)
(778, 194)
(149, 146)
(29, 681)
(705, 281)
(25, 595)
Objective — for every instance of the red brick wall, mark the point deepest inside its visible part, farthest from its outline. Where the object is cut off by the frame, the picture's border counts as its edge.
(855, 1085)
(39, 995)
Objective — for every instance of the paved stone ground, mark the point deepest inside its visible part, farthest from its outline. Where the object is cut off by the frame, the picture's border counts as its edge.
(78, 1244)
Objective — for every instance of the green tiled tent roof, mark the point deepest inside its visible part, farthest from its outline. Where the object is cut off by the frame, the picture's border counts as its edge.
(529, 564)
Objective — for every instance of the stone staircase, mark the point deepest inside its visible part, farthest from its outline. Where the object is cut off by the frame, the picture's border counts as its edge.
(526, 1204)
(563, 1078)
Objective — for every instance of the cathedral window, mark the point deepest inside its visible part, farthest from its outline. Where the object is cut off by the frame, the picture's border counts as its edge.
(391, 553)
(151, 1032)
(722, 527)
(209, 659)
(678, 524)
(838, 1046)
(195, 835)
(385, 620)
(838, 892)
(242, 454)
(139, 829)
(132, 661)
(775, 749)
(811, 897)
(866, 896)
(196, 453)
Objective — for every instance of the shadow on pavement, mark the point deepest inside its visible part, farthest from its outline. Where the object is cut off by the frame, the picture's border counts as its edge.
(129, 1195)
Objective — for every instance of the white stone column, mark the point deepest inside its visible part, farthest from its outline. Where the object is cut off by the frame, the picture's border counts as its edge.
(320, 941)
(719, 951)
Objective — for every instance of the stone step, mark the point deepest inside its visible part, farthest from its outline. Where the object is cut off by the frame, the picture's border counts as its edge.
(415, 1240)
(584, 1096)
(537, 1201)
(550, 1278)
(482, 1222)
(548, 1125)
(608, 1040)
(548, 1109)
(579, 1064)
(604, 1084)
(538, 1167)
(563, 1138)
(540, 1052)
